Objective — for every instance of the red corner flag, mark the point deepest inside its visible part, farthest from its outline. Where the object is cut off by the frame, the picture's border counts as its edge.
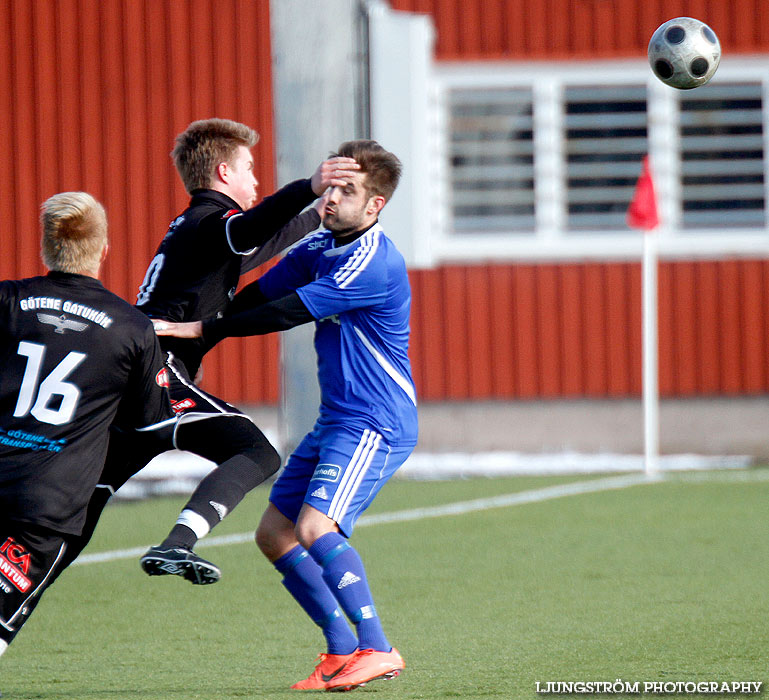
(642, 212)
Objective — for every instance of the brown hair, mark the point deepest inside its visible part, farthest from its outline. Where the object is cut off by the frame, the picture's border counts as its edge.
(206, 143)
(74, 229)
(382, 168)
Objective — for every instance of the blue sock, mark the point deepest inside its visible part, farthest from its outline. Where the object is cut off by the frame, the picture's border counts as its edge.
(303, 579)
(344, 574)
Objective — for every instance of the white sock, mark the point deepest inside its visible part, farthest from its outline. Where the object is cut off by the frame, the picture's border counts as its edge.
(3, 646)
(195, 522)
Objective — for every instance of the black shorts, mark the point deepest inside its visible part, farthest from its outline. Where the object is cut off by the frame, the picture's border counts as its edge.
(129, 452)
(28, 557)
(190, 401)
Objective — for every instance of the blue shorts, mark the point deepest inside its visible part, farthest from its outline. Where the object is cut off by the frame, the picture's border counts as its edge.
(337, 470)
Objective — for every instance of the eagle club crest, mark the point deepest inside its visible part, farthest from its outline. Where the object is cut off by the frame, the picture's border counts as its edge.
(61, 323)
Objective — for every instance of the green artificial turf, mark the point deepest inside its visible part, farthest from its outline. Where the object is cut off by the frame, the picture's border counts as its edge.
(655, 582)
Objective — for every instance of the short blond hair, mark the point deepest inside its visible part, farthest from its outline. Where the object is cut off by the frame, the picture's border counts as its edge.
(74, 226)
(206, 143)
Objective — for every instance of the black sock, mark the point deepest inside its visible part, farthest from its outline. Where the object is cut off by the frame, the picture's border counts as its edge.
(180, 536)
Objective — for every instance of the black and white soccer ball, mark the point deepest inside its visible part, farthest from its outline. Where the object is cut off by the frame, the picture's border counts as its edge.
(684, 53)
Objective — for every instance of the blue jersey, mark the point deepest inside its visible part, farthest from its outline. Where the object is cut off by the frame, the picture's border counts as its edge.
(360, 296)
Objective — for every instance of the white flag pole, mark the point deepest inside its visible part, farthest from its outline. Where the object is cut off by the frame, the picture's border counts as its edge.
(650, 354)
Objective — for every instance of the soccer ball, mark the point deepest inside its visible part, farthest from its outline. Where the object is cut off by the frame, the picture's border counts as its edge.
(684, 53)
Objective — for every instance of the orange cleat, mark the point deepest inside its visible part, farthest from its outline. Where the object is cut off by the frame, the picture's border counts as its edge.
(328, 667)
(367, 665)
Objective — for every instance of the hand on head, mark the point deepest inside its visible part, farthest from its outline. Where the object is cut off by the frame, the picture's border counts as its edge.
(334, 172)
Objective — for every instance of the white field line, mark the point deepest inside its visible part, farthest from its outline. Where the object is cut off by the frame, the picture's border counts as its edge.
(461, 507)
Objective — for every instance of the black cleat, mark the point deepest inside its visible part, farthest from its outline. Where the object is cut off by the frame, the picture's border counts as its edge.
(178, 561)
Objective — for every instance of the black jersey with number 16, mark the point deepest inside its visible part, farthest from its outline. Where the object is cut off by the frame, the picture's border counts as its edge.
(75, 358)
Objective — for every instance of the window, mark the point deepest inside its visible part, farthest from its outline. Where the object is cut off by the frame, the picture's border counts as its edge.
(492, 160)
(605, 140)
(722, 157)
(541, 160)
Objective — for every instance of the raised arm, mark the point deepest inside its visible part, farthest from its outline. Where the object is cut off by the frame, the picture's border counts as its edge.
(293, 231)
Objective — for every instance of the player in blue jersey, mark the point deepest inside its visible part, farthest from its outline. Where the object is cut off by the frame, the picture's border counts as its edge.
(352, 281)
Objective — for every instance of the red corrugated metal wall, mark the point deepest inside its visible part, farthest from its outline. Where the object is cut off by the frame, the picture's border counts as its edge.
(573, 330)
(553, 29)
(92, 93)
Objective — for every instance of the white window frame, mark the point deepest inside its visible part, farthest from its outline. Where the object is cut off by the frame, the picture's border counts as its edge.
(551, 240)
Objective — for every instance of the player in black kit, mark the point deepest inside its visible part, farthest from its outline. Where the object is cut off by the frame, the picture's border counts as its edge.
(194, 275)
(76, 359)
